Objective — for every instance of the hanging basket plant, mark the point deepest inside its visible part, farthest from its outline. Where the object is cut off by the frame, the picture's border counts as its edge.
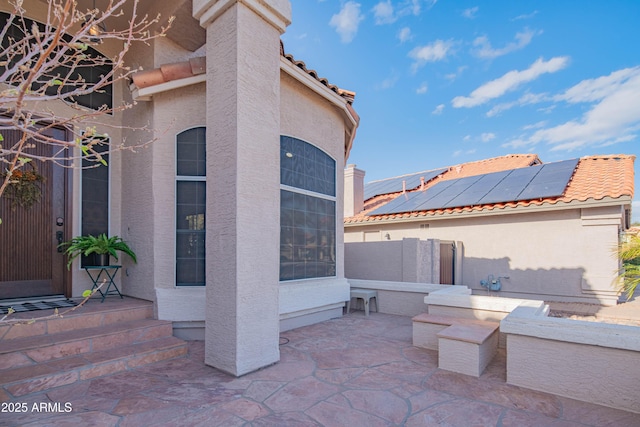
(24, 187)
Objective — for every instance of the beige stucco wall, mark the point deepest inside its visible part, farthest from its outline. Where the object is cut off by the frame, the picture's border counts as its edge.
(306, 116)
(556, 254)
(149, 189)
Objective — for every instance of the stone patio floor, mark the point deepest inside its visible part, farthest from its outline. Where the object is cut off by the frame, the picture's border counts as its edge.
(353, 371)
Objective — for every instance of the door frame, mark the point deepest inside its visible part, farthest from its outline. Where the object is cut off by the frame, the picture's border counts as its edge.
(67, 207)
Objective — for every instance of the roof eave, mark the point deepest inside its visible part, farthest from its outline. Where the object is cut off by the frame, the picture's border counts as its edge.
(147, 93)
(351, 117)
(506, 210)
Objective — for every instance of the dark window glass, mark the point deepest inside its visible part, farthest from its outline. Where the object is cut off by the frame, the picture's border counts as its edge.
(83, 72)
(95, 197)
(190, 208)
(306, 167)
(307, 222)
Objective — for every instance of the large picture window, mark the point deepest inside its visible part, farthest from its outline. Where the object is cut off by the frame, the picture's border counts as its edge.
(190, 207)
(307, 211)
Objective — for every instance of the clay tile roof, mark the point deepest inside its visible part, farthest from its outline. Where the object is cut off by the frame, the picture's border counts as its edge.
(170, 72)
(196, 66)
(595, 178)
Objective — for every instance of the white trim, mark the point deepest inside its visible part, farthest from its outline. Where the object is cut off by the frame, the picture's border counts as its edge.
(312, 83)
(207, 11)
(146, 93)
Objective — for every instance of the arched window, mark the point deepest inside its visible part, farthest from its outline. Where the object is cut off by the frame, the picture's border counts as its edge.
(307, 211)
(191, 186)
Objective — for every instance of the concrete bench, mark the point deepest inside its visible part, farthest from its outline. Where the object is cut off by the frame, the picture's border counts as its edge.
(464, 345)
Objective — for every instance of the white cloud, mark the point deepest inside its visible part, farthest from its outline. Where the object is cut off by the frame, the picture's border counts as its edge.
(525, 16)
(487, 136)
(405, 34)
(536, 125)
(613, 118)
(438, 110)
(388, 83)
(470, 13)
(433, 52)
(458, 73)
(422, 89)
(510, 81)
(383, 12)
(484, 49)
(467, 138)
(346, 21)
(386, 13)
(526, 99)
(596, 89)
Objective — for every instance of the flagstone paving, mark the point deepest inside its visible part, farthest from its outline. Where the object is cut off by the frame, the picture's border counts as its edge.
(353, 371)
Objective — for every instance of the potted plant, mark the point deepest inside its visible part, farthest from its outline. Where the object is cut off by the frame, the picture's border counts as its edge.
(102, 247)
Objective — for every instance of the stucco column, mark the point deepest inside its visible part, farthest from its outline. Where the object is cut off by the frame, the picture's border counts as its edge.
(243, 180)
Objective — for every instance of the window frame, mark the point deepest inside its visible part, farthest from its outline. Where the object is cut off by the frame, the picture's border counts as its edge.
(318, 195)
(186, 178)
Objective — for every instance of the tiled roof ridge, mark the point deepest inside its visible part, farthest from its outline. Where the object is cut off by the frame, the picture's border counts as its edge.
(197, 65)
(346, 94)
(534, 157)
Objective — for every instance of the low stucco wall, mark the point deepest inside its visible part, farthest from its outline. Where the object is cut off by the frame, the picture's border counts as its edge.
(406, 260)
(480, 307)
(588, 361)
(403, 298)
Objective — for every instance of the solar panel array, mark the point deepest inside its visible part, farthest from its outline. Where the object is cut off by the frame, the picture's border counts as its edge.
(534, 182)
(394, 185)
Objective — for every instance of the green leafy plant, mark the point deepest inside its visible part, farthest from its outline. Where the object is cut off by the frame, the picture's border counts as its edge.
(629, 254)
(87, 245)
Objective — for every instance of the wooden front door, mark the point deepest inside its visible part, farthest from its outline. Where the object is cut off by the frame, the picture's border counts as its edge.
(30, 263)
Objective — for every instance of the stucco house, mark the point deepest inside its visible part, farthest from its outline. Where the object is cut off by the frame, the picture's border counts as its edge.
(235, 210)
(531, 229)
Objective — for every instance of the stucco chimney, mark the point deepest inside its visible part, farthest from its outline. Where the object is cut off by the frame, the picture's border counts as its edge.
(353, 190)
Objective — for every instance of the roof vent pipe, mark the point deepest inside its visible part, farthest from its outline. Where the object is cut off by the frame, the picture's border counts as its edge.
(404, 186)
(422, 183)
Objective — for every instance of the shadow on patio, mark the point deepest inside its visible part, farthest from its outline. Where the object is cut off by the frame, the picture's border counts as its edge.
(353, 371)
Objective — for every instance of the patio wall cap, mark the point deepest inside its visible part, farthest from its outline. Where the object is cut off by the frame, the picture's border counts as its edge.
(382, 285)
(525, 322)
(481, 302)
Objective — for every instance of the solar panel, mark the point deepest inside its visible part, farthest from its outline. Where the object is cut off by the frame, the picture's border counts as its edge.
(394, 205)
(446, 195)
(394, 185)
(511, 186)
(478, 189)
(551, 181)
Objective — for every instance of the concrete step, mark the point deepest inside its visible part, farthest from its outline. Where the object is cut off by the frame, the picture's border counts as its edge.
(42, 376)
(91, 314)
(43, 348)
(95, 340)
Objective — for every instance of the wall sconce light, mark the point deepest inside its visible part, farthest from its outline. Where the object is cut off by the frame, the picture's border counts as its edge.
(95, 30)
(387, 236)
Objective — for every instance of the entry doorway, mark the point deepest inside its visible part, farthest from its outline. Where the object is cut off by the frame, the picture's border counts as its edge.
(30, 262)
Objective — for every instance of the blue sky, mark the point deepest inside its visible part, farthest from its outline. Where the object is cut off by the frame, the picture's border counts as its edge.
(443, 82)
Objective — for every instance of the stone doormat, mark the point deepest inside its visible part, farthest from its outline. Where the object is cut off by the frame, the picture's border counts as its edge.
(36, 305)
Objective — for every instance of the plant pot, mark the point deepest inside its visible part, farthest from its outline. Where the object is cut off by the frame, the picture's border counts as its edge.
(101, 259)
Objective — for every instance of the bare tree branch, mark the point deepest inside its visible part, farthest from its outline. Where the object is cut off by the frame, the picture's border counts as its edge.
(44, 63)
